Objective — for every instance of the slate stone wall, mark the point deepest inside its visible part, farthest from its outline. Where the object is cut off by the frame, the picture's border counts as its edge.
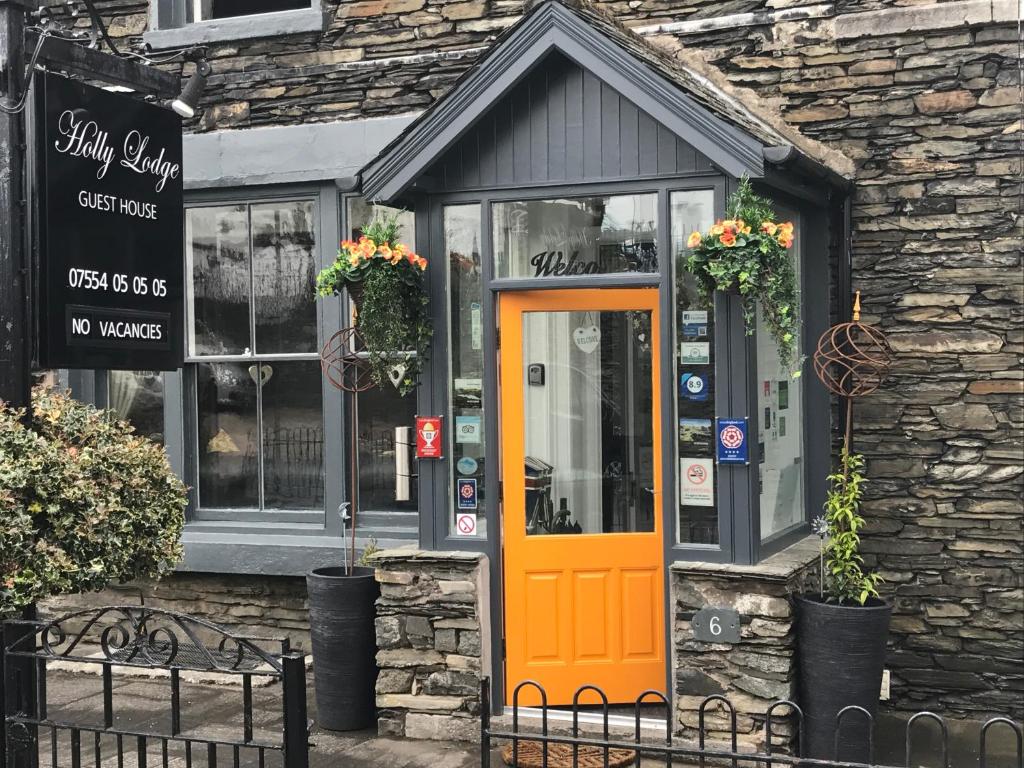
(433, 636)
(926, 99)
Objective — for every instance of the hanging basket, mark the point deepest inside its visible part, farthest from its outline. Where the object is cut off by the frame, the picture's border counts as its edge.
(355, 292)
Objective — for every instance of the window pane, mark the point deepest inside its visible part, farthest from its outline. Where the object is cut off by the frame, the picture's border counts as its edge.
(361, 213)
(695, 378)
(223, 9)
(138, 398)
(217, 250)
(228, 435)
(585, 236)
(293, 435)
(466, 348)
(588, 427)
(284, 271)
(381, 409)
(780, 432)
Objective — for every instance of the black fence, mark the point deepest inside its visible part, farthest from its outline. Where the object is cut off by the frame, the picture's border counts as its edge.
(126, 641)
(672, 751)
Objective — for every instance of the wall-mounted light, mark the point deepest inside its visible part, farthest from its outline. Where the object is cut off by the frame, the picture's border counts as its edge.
(185, 105)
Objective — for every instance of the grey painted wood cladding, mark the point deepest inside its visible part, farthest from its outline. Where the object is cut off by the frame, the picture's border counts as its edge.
(562, 124)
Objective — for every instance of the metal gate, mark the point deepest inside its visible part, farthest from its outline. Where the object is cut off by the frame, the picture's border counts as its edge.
(120, 641)
(586, 751)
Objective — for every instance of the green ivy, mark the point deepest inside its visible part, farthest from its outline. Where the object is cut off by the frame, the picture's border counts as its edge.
(757, 266)
(85, 502)
(846, 580)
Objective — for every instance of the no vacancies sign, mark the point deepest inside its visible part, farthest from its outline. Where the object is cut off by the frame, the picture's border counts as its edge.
(111, 271)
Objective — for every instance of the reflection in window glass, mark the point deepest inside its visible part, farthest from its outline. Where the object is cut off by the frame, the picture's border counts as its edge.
(694, 378)
(381, 409)
(293, 435)
(228, 435)
(217, 251)
(780, 429)
(575, 237)
(283, 276)
(466, 345)
(361, 212)
(138, 398)
(588, 427)
(203, 10)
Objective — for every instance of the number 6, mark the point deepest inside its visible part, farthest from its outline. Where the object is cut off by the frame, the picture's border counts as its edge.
(715, 626)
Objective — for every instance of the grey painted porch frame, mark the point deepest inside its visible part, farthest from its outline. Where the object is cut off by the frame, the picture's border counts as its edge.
(552, 27)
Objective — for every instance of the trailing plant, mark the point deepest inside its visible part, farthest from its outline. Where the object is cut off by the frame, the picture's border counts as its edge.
(845, 580)
(85, 502)
(384, 278)
(749, 252)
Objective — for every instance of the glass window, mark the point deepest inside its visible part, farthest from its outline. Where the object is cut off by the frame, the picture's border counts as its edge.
(575, 237)
(138, 398)
(587, 422)
(259, 419)
(203, 10)
(381, 411)
(694, 379)
(781, 428)
(466, 350)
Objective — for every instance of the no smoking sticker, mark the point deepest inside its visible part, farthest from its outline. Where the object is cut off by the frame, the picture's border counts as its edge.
(696, 482)
(465, 524)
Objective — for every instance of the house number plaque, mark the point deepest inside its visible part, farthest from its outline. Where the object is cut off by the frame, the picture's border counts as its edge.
(716, 625)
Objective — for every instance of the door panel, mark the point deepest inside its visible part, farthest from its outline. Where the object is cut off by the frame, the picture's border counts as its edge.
(581, 472)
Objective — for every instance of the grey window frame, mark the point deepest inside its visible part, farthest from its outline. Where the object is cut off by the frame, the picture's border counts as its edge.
(169, 26)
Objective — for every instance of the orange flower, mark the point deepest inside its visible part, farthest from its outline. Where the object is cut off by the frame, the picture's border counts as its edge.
(728, 239)
(787, 227)
(353, 260)
(785, 240)
(769, 228)
(694, 240)
(421, 263)
(348, 245)
(717, 229)
(385, 251)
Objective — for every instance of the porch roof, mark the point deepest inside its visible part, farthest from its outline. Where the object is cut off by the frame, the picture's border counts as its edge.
(730, 126)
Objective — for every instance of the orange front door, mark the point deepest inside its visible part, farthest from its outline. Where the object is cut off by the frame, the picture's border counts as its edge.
(581, 473)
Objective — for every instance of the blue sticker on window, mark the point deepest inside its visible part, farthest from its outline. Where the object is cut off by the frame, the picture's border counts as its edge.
(467, 492)
(732, 441)
(693, 386)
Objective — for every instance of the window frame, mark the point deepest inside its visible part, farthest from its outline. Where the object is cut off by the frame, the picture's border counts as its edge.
(169, 26)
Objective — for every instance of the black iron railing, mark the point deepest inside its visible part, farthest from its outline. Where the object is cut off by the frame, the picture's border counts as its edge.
(673, 751)
(142, 638)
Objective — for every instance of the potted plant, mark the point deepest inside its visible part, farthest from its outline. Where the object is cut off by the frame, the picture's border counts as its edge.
(384, 280)
(748, 253)
(842, 630)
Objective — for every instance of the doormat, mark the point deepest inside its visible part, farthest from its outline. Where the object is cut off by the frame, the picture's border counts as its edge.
(531, 755)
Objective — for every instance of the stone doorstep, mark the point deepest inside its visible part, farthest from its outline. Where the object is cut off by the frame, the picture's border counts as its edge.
(188, 676)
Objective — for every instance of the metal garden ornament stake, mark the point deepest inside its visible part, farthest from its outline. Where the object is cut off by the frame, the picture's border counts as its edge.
(349, 371)
(851, 360)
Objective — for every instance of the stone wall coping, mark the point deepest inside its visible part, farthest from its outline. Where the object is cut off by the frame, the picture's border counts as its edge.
(781, 566)
(388, 556)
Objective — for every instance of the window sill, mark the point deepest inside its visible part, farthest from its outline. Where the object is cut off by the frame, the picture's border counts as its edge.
(239, 28)
(781, 566)
(270, 553)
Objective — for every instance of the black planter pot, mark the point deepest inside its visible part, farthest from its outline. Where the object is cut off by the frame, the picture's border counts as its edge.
(841, 650)
(341, 613)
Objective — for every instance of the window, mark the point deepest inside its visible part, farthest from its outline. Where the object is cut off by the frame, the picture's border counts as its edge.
(694, 379)
(175, 23)
(138, 398)
(466, 348)
(576, 237)
(781, 426)
(253, 356)
(381, 410)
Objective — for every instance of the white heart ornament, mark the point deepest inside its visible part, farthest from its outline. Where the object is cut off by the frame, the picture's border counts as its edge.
(262, 372)
(397, 373)
(587, 338)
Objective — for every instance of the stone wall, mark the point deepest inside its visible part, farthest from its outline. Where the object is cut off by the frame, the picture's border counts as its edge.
(758, 670)
(925, 98)
(433, 635)
(273, 606)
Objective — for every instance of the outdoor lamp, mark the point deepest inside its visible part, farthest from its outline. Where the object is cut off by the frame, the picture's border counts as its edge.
(185, 104)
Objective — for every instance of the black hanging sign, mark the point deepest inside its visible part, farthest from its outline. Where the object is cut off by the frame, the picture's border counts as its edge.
(111, 258)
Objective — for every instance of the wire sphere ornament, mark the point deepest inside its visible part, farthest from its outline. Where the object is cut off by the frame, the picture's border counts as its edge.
(852, 359)
(342, 365)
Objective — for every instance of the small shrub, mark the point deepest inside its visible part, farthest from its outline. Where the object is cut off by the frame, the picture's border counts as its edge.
(84, 502)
